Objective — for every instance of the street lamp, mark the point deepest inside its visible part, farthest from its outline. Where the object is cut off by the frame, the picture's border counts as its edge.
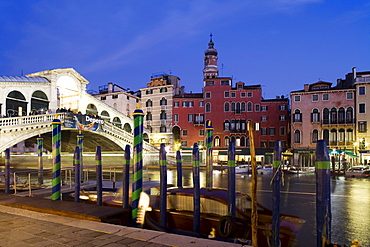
(361, 148)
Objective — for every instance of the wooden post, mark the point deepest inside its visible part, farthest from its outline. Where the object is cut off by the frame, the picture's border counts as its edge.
(254, 214)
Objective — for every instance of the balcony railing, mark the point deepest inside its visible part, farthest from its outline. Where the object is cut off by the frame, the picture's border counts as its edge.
(363, 79)
(337, 121)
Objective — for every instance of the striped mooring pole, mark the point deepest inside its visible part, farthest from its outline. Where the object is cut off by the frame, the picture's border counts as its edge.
(179, 168)
(80, 141)
(126, 177)
(231, 180)
(323, 200)
(40, 176)
(276, 180)
(56, 139)
(196, 188)
(77, 168)
(7, 171)
(137, 179)
(209, 156)
(99, 176)
(163, 185)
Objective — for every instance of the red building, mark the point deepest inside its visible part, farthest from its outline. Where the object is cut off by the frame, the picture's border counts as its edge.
(229, 108)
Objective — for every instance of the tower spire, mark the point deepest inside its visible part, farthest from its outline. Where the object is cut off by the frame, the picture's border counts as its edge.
(210, 60)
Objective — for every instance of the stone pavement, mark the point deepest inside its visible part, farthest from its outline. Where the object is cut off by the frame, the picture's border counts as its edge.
(20, 227)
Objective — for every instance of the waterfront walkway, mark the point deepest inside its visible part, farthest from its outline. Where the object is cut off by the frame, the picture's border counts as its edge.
(22, 223)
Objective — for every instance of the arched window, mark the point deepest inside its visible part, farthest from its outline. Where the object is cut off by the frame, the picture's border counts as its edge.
(349, 115)
(163, 90)
(250, 107)
(216, 141)
(208, 107)
(127, 128)
(105, 115)
(297, 136)
(226, 107)
(297, 116)
(163, 128)
(326, 116)
(233, 106)
(326, 136)
(163, 101)
(238, 110)
(39, 101)
(315, 135)
(149, 116)
(341, 115)
(226, 141)
(341, 136)
(242, 141)
(333, 137)
(163, 115)
(226, 125)
(149, 103)
(243, 106)
(16, 101)
(333, 115)
(117, 122)
(315, 116)
(349, 136)
(237, 141)
(91, 109)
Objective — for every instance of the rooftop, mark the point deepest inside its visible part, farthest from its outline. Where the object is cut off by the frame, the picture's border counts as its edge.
(5, 78)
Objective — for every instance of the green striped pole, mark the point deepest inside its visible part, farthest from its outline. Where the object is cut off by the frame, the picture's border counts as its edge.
(137, 178)
(7, 170)
(231, 180)
(56, 181)
(39, 154)
(80, 140)
(209, 156)
(163, 185)
(77, 168)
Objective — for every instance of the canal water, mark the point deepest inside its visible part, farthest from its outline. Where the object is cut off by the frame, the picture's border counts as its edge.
(350, 197)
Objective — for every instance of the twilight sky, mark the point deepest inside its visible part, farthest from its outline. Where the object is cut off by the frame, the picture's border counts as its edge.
(280, 44)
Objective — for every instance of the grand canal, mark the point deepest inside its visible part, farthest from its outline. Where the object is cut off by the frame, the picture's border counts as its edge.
(350, 198)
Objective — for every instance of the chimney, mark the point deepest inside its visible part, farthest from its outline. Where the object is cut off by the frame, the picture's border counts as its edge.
(354, 73)
(306, 87)
(110, 87)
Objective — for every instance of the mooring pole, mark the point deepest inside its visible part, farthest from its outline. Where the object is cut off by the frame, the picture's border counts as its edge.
(231, 180)
(77, 168)
(276, 181)
(56, 181)
(196, 188)
(209, 156)
(163, 185)
(179, 168)
(254, 214)
(126, 177)
(323, 200)
(99, 176)
(137, 179)
(7, 171)
(80, 141)
(39, 155)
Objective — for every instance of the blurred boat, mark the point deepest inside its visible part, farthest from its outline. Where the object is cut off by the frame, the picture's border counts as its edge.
(358, 172)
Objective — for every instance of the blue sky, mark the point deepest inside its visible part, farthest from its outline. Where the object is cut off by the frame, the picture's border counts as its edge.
(280, 44)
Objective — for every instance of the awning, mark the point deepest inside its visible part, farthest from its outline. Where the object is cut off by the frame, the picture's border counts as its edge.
(350, 154)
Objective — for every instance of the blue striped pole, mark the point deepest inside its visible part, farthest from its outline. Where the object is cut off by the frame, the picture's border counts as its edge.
(179, 168)
(99, 176)
(137, 179)
(231, 180)
(276, 179)
(323, 200)
(163, 185)
(196, 188)
(126, 177)
(80, 140)
(209, 156)
(77, 166)
(39, 154)
(56, 181)
(7, 170)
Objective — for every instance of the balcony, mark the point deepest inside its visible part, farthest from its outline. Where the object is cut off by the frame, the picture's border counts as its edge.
(338, 122)
(363, 79)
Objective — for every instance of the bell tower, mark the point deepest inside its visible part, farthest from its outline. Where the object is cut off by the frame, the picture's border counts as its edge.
(210, 61)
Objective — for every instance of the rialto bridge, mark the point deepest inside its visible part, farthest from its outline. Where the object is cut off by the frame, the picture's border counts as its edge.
(50, 93)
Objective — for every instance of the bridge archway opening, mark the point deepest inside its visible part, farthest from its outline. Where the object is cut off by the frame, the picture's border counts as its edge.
(117, 122)
(127, 128)
(39, 101)
(146, 137)
(105, 116)
(91, 109)
(16, 104)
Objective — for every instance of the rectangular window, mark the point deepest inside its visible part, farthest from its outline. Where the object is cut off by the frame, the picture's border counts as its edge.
(250, 94)
(361, 90)
(282, 107)
(263, 108)
(362, 108)
(272, 131)
(263, 144)
(233, 95)
(149, 91)
(282, 131)
(201, 143)
(225, 83)
(226, 94)
(257, 107)
(349, 95)
(263, 131)
(242, 94)
(263, 118)
(201, 132)
(184, 143)
(201, 103)
(115, 96)
(190, 117)
(210, 83)
(208, 95)
(103, 98)
(176, 104)
(282, 118)
(184, 132)
(315, 97)
(297, 98)
(176, 117)
(362, 127)
(325, 96)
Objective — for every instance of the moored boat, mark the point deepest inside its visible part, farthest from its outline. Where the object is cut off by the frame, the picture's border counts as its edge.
(214, 215)
(358, 171)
